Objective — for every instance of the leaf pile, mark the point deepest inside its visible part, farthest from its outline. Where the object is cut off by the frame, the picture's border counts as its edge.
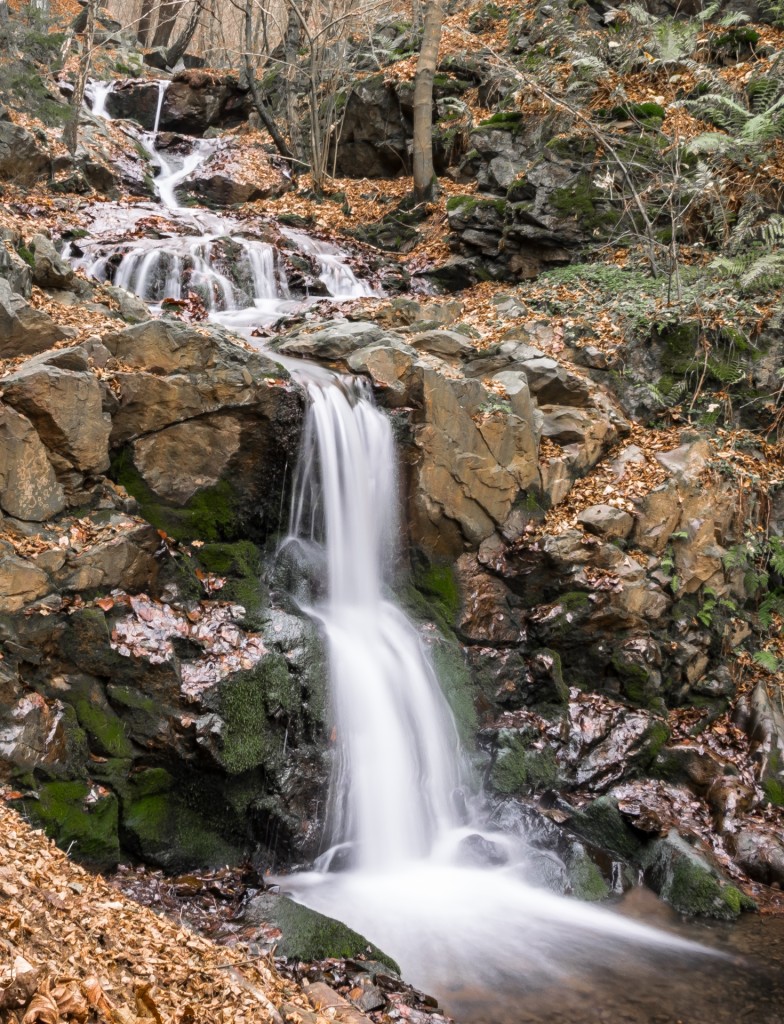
(74, 949)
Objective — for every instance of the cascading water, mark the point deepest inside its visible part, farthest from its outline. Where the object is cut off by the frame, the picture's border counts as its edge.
(394, 814)
(241, 280)
(398, 764)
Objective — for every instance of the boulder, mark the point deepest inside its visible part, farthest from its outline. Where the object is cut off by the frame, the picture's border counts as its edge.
(15, 271)
(763, 722)
(333, 341)
(66, 408)
(759, 853)
(23, 329)
(49, 269)
(194, 101)
(447, 344)
(606, 521)
(28, 486)
(21, 582)
(23, 158)
(687, 878)
(375, 133)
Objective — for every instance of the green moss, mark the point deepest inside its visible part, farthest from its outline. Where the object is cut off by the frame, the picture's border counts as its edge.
(79, 821)
(456, 202)
(582, 200)
(308, 935)
(27, 255)
(504, 120)
(587, 881)
(519, 769)
(601, 824)
(774, 791)
(457, 685)
(241, 564)
(105, 730)
(210, 515)
(439, 581)
(680, 344)
(160, 828)
(248, 700)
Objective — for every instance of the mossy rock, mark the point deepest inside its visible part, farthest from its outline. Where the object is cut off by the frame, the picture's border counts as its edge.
(437, 581)
(520, 769)
(82, 822)
(601, 825)
(308, 935)
(584, 202)
(211, 514)
(247, 703)
(504, 120)
(241, 564)
(586, 880)
(105, 730)
(689, 883)
(158, 826)
(456, 683)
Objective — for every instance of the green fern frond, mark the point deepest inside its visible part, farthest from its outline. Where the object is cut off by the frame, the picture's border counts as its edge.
(768, 661)
(709, 143)
(777, 554)
(765, 272)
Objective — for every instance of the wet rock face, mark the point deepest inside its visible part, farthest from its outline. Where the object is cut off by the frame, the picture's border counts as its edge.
(194, 102)
(23, 157)
(24, 330)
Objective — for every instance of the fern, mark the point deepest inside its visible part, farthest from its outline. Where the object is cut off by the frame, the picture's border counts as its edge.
(772, 605)
(765, 272)
(768, 661)
(776, 545)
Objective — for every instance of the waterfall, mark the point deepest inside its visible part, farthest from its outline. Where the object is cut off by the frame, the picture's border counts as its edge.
(398, 761)
(241, 288)
(397, 869)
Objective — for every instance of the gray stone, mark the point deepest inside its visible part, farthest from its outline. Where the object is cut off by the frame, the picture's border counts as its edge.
(49, 269)
(23, 158)
(448, 344)
(28, 486)
(16, 272)
(606, 521)
(336, 340)
(23, 329)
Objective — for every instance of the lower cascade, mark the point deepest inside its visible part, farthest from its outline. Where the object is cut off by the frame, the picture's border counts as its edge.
(400, 868)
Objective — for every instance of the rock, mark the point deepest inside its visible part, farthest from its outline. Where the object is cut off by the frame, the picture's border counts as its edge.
(42, 735)
(23, 329)
(49, 269)
(606, 740)
(476, 850)
(565, 425)
(308, 935)
(194, 101)
(21, 582)
(80, 817)
(759, 853)
(447, 344)
(28, 486)
(686, 462)
(763, 722)
(684, 876)
(375, 131)
(552, 384)
(185, 458)
(23, 158)
(130, 307)
(389, 367)
(166, 345)
(15, 271)
(66, 408)
(486, 613)
(333, 341)
(606, 521)
(475, 456)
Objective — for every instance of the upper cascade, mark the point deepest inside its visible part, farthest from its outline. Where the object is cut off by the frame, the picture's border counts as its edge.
(242, 281)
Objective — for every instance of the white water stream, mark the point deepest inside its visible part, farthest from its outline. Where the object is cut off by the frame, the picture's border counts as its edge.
(395, 798)
(396, 812)
(241, 280)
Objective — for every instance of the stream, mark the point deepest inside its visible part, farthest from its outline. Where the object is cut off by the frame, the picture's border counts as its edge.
(405, 818)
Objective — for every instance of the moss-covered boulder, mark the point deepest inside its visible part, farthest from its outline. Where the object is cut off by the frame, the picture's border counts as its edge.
(308, 935)
(688, 880)
(81, 817)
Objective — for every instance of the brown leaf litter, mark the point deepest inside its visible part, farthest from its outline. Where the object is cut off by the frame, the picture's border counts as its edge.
(74, 949)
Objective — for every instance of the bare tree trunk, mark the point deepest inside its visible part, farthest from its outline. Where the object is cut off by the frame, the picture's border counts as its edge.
(291, 47)
(255, 91)
(144, 29)
(424, 174)
(183, 40)
(166, 19)
(71, 130)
